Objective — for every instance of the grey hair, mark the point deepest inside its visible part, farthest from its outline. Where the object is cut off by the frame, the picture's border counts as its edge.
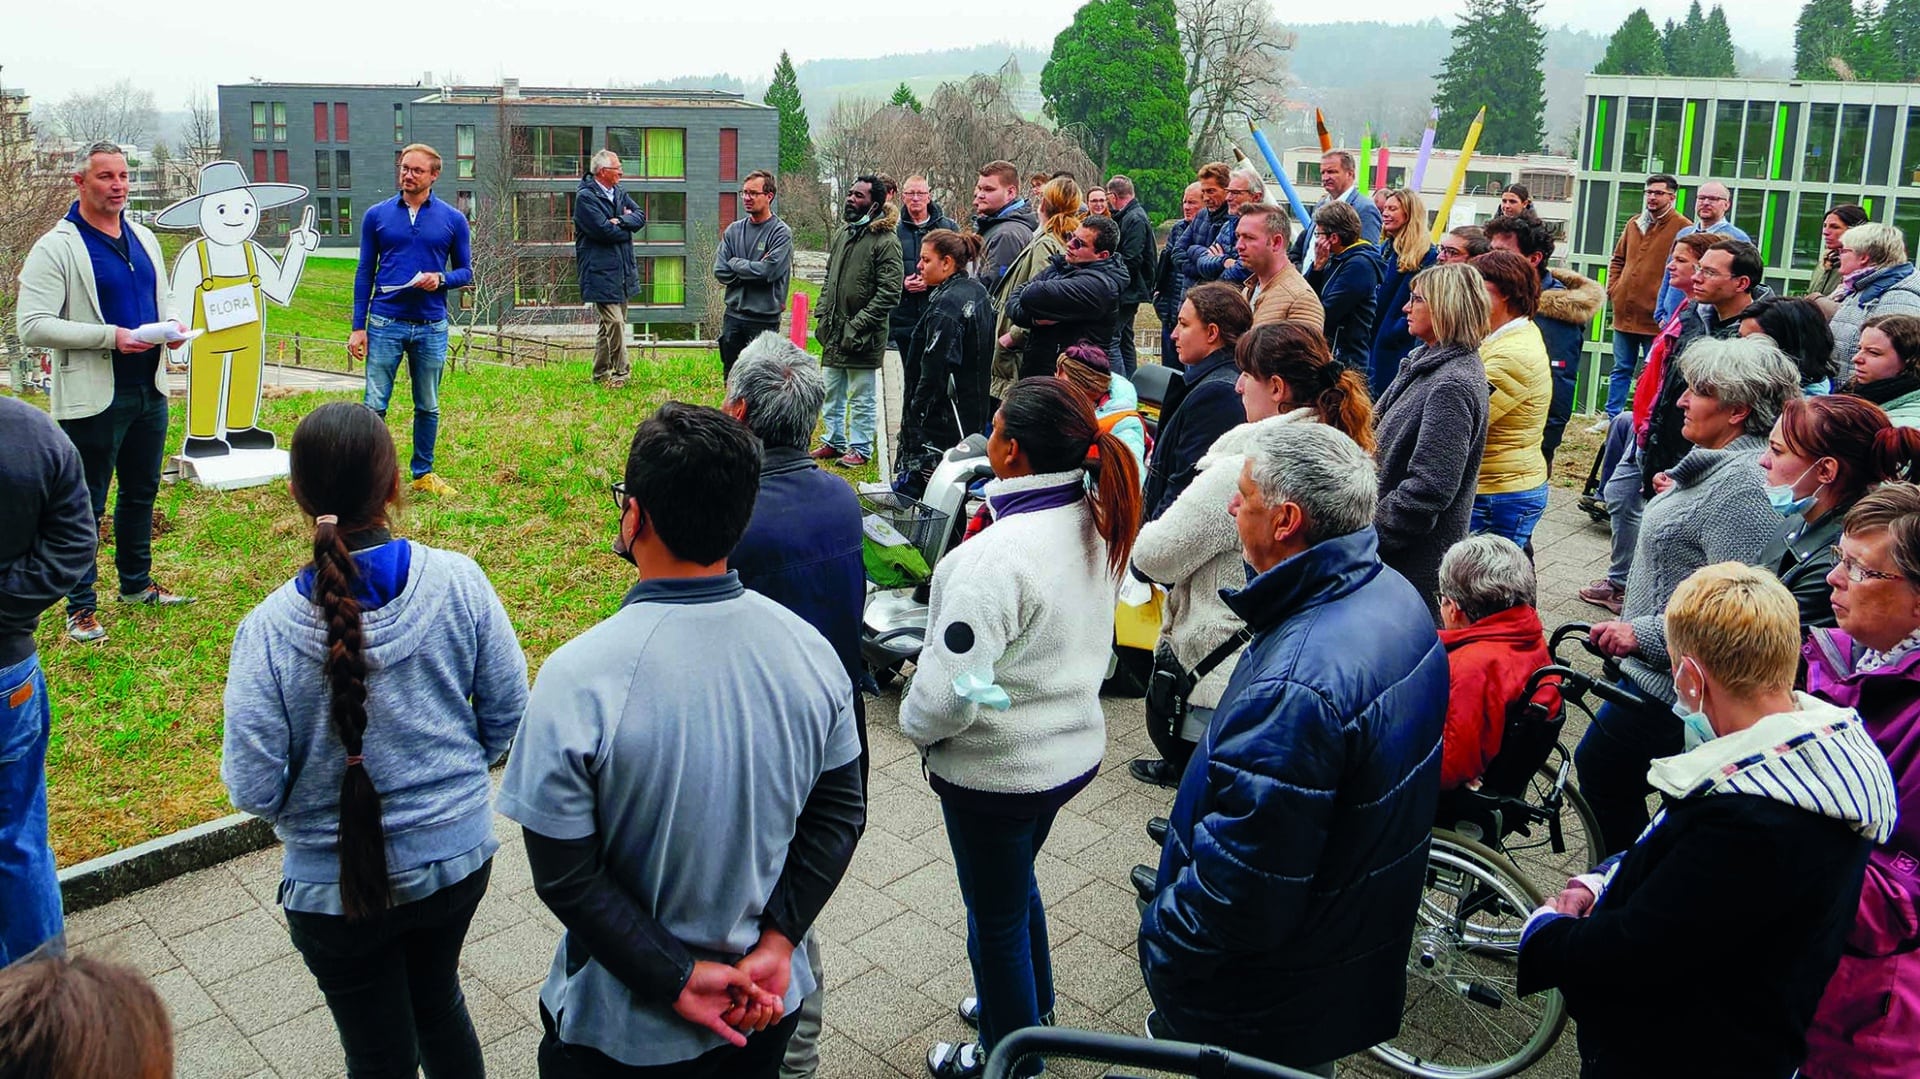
(1876, 241)
(603, 159)
(1255, 185)
(84, 159)
(782, 387)
(1743, 372)
(1486, 574)
(1321, 470)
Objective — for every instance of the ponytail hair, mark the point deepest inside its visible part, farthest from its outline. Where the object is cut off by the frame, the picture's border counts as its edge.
(1297, 354)
(964, 248)
(344, 473)
(1056, 430)
(1896, 455)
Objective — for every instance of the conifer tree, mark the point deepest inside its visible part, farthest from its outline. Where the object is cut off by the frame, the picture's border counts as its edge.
(1634, 49)
(1498, 47)
(796, 140)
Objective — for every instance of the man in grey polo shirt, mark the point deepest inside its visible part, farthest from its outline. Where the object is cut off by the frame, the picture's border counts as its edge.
(688, 778)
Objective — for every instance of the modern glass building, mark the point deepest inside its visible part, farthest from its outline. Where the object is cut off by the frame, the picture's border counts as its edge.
(1787, 151)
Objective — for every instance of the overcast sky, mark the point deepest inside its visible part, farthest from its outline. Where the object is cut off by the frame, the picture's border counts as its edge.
(175, 48)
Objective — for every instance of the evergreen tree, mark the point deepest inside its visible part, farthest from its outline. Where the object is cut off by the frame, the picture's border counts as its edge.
(1683, 41)
(1899, 28)
(796, 140)
(1116, 78)
(903, 95)
(1497, 51)
(1714, 48)
(1635, 48)
(1867, 54)
(1821, 36)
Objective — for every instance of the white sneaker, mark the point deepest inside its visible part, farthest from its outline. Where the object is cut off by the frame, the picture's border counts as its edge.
(1600, 426)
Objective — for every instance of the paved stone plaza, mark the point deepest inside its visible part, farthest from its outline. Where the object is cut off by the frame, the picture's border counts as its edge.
(215, 942)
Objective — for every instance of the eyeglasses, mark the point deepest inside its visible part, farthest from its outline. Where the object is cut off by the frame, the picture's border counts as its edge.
(1714, 198)
(1076, 243)
(746, 194)
(1238, 191)
(1858, 573)
(620, 496)
(1703, 272)
(1415, 297)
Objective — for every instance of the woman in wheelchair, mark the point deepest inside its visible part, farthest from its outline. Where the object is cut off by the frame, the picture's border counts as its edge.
(1494, 643)
(1741, 892)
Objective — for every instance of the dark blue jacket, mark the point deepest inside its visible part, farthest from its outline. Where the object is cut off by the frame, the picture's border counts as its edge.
(906, 314)
(1202, 232)
(1563, 339)
(1297, 851)
(1347, 286)
(1214, 267)
(1391, 341)
(802, 550)
(1209, 407)
(602, 250)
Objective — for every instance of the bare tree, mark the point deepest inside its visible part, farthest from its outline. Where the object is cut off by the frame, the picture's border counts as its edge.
(495, 250)
(1234, 70)
(703, 243)
(199, 141)
(974, 121)
(31, 200)
(121, 113)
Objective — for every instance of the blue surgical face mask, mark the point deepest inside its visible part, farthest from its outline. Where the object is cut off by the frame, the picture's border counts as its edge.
(1697, 730)
(1781, 497)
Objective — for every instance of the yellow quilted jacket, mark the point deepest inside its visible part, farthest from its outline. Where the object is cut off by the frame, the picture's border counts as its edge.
(1522, 386)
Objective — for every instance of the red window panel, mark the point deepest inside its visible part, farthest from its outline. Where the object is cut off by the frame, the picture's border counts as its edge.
(259, 166)
(339, 121)
(320, 126)
(729, 154)
(279, 166)
(729, 208)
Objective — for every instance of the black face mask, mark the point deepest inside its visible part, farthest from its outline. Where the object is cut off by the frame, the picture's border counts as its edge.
(620, 546)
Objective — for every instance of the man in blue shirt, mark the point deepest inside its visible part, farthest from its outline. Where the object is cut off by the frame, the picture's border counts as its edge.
(85, 287)
(400, 303)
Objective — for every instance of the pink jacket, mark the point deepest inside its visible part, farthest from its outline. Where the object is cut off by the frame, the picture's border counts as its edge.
(1868, 1025)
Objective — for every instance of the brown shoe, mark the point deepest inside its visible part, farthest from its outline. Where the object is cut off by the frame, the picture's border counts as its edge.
(1604, 593)
(824, 452)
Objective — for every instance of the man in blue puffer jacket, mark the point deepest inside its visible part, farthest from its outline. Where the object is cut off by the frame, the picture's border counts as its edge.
(1297, 849)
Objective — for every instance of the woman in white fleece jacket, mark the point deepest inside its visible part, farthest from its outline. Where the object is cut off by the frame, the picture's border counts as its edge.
(1287, 375)
(1005, 701)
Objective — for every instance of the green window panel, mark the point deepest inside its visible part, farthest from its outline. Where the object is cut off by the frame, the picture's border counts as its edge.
(1693, 134)
(1636, 143)
(1668, 152)
(663, 281)
(1727, 119)
(1808, 245)
(1773, 229)
(1603, 147)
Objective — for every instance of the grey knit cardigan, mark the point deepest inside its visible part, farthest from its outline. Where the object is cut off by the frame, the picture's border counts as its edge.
(1431, 429)
(1716, 511)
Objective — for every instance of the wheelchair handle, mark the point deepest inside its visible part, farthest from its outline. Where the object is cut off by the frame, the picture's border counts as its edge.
(1183, 1058)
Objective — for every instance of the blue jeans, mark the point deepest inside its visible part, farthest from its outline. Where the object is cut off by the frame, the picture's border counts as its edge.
(1628, 350)
(1006, 924)
(424, 344)
(1512, 515)
(29, 886)
(128, 441)
(1626, 504)
(849, 410)
(1613, 758)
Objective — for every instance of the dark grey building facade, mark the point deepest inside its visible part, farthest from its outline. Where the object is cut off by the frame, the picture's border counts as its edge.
(511, 158)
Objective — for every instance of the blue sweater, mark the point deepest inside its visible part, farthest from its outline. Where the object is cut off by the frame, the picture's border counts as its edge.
(393, 248)
(124, 281)
(446, 686)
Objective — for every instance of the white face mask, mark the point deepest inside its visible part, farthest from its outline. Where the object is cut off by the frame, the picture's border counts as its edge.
(1696, 729)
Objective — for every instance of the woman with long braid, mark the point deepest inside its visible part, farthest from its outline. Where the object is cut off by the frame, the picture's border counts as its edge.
(365, 700)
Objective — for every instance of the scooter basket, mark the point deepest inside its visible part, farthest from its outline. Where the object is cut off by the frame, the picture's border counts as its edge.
(923, 526)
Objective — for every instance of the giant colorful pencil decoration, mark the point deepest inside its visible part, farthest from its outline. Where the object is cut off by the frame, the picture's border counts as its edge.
(1460, 170)
(1279, 174)
(1363, 181)
(1380, 165)
(1326, 137)
(1426, 152)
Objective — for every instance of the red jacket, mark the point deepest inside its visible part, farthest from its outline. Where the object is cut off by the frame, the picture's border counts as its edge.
(1488, 664)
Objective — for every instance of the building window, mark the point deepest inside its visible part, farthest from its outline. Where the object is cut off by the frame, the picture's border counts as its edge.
(1548, 186)
(729, 208)
(1756, 150)
(1850, 159)
(1593, 215)
(279, 121)
(666, 216)
(650, 153)
(663, 282)
(729, 155)
(463, 151)
(1823, 123)
(340, 121)
(1906, 218)
(545, 282)
(323, 169)
(1603, 141)
(543, 217)
(399, 123)
(259, 121)
(342, 169)
(323, 215)
(1726, 138)
(343, 207)
(1637, 152)
(463, 201)
(1396, 177)
(1485, 183)
(550, 152)
(280, 166)
(1307, 174)
(260, 166)
(320, 124)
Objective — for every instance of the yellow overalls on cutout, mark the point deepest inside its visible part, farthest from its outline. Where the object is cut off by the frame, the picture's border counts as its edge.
(240, 349)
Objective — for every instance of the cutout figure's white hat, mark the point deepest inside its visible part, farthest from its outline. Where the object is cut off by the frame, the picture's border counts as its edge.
(217, 177)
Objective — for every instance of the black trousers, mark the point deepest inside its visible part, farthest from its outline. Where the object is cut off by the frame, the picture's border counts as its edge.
(759, 1060)
(735, 334)
(393, 984)
(126, 440)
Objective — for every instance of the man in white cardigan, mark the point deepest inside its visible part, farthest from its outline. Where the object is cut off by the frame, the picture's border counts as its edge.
(86, 286)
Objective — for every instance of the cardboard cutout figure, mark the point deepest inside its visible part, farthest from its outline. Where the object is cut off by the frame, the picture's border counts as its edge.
(219, 280)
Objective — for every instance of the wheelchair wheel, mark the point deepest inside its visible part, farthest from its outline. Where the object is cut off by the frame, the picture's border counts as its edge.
(1463, 1017)
(1546, 859)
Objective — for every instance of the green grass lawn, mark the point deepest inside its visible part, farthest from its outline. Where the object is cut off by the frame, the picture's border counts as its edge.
(137, 717)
